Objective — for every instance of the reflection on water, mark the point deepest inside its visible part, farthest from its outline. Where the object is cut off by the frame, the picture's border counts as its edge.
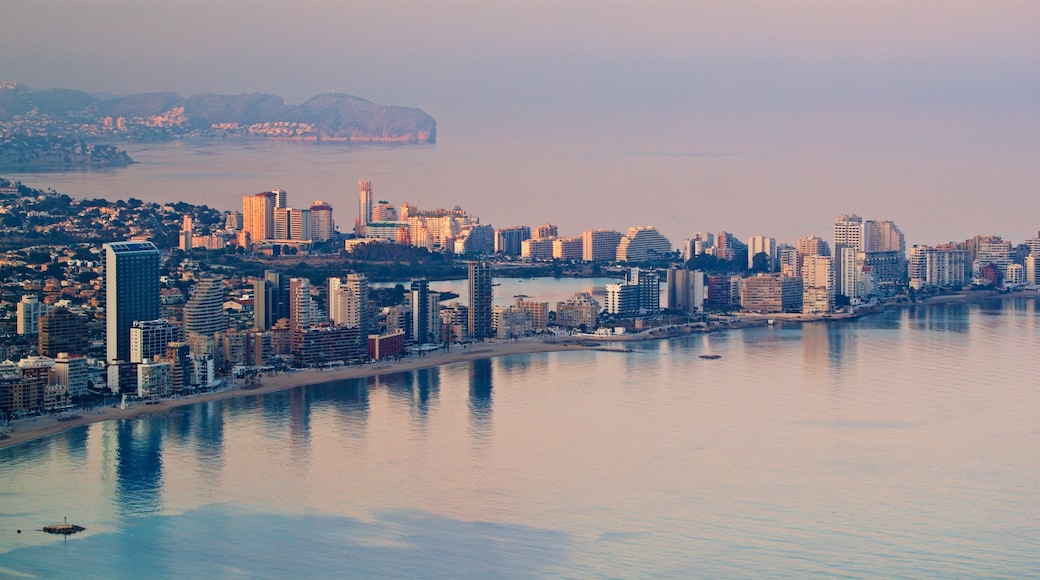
(139, 467)
(480, 384)
(810, 450)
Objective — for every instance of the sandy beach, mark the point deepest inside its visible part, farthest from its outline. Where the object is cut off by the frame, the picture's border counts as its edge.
(27, 429)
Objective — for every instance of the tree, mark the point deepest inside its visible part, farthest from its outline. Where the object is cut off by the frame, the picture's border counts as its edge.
(760, 263)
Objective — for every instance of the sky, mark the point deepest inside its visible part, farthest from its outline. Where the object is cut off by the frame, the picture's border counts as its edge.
(954, 79)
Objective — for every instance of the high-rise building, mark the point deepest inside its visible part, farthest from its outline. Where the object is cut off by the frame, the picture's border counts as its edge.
(545, 232)
(281, 198)
(365, 206)
(29, 311)
(148, 338)
(131, 292)
(812, 246)
(62, 331)
(533, 249)
(641, 244)
(258, 215)
(817, 284)
(384, 211)
(475, 240)
(349, 302)
(568, 248)
(71, 372)
(154, 379)
(761, 245)
(508, 240)
(322, 225)
(426, 316)
(848, 241)
(599, 245)
(480, 299)
(883, 236)
(270, 299)
(640, 293)
(186, 235)
(204, 312)
(580, 310)
(292, 223)
(233, 221)
(686, 290)
(938, 267)
(299, 303)
(728, 246)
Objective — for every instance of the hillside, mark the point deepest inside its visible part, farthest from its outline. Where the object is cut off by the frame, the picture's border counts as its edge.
(159, 116)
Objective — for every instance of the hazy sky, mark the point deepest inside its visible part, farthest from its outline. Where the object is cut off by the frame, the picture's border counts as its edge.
(950, 78)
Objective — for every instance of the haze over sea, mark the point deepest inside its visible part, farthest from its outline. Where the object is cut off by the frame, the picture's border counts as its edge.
(903, 444)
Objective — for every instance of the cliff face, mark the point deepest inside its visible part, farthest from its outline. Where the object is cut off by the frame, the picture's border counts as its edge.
(332, 117)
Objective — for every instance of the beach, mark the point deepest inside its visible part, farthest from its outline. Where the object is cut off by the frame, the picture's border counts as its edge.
(27, 429)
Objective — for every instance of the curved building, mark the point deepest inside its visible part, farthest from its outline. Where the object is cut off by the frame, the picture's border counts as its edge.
(641, 244)
(204, 312)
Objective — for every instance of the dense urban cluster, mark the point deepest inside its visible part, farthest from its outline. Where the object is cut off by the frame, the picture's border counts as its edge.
(119, 298)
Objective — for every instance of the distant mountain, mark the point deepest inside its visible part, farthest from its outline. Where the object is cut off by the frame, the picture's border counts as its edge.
(329, 117)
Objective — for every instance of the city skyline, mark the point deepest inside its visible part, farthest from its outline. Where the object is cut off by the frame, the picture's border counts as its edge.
(738, 113)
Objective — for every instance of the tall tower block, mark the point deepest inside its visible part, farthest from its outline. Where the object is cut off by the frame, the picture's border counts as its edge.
(131, 292)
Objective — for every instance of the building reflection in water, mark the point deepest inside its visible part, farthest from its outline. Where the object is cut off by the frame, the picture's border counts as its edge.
(480, 385)
(417, 389)
(139, 466)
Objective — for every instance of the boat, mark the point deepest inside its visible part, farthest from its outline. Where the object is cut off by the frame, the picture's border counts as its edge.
(711, 356)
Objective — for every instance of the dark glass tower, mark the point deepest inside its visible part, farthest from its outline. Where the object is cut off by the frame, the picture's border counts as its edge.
(480, 299)
(131, 292)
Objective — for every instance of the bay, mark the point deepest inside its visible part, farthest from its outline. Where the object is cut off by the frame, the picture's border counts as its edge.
(898, 445)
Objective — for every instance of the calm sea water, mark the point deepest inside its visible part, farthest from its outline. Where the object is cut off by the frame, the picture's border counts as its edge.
(905, 444)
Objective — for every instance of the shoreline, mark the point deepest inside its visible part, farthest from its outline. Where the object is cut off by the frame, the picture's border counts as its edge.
(29, 429)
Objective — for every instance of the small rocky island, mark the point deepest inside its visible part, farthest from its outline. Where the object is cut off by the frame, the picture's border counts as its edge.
(65, 529)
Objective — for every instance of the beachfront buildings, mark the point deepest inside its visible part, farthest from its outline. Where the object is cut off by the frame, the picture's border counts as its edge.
(686, 290)
(639, 294)
(938, 266)
(579, 311)
(480, 299)
(131, 292)
(349, 305)
(817, 284)
(148, 338)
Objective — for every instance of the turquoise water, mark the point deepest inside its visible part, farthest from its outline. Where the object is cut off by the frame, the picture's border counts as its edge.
(901, 445)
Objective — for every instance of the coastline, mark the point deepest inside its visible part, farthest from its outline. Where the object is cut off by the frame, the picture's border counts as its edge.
(25, 430)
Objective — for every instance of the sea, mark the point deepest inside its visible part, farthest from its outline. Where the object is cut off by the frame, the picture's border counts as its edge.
(904, 444)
